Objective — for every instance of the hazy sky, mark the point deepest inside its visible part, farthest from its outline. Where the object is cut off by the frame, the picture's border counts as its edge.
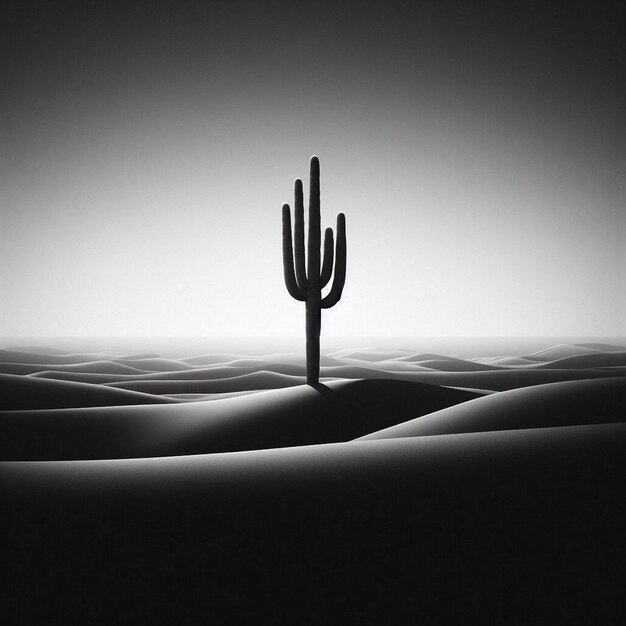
(476, 148)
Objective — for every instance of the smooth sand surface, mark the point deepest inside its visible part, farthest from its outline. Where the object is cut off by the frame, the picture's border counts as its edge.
(508, 527)
(407, 488)
(26, 392)
(338, 411)
(231, 373)
(556, 404)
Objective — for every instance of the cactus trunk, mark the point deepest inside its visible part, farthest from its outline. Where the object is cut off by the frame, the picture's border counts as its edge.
(313, 332)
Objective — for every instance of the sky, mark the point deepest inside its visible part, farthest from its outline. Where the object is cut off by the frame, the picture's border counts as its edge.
(476, 149)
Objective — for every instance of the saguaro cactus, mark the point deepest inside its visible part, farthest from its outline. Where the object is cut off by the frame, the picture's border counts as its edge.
(306, 281)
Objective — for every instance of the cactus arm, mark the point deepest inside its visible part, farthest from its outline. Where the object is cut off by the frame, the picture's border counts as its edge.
(313, 260)
(290, 277)
(298, 232)
(329, 257)
(339, 278)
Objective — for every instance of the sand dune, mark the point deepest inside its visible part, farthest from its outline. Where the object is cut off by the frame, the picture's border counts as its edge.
(25, 392)
(226, 371)
(230, 370)
(339, 411)
(370, 354)
(202, 397)
(221, 380)
(606, 347)
(387, 365)
(231, 373)
(425, 356)
(386, 369)
(138, 356)
(84, 377)
(235, 382)
(99, 367)
(50, 357)
(210, 359)
(455, 365)
(563, 351)
(422, 456)
(21, 368)
(585, 361)
(46, 350)
(505, 361)
(501, 380)
(224, 379)
(247, 496)
(505, 527)
(286, 358)
(108, 362)
(156, 364)
(557, 404)
(219, 371)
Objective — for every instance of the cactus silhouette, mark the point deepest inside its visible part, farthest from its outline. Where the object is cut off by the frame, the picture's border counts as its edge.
(306, 281)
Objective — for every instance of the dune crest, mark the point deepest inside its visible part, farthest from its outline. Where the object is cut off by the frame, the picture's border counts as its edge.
(19, 393)
(302, 415)
(568, 403)
(562, 351)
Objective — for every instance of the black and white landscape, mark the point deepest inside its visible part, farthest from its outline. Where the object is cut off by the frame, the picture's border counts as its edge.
(413, 412)
(404, 486)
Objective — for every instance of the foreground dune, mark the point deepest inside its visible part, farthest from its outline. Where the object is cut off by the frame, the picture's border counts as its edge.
(505, 527)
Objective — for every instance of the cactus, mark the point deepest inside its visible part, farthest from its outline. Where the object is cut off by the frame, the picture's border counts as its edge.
(305, 282)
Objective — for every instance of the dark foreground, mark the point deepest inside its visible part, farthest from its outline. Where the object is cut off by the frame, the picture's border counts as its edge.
(500, 522)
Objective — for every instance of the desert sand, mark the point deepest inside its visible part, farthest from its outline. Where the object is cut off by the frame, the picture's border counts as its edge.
(406, 487)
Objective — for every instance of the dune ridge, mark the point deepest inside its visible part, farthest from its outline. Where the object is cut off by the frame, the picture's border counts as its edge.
(614, 358)
(302, 415)
(494, 373)
(25, 392)
(50, 357)
(512, 521)
(261, 379)
(330, 458)
(193, 378)
(100, 367)
(493, 380)
(562, 351)
(567, 403)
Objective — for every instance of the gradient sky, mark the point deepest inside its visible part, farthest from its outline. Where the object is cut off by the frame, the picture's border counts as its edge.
(476, 148)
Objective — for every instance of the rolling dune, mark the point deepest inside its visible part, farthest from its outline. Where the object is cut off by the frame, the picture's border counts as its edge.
(227, 382)
(221, 488)
(338, 411)
(155, 364)
(100, 367)
(370, 354)
(569, 403)
(50, 357)
(563, 351)
(223, 373)
(519, 526)
(26, 392)
(587, 361)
